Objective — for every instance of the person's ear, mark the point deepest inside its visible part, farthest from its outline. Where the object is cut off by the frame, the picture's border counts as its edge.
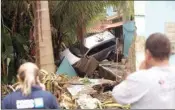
(148, 55)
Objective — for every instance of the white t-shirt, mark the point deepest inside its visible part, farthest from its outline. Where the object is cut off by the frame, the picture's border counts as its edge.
(148, 89)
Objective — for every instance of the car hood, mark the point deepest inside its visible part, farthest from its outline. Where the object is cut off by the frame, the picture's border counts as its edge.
(71, 57)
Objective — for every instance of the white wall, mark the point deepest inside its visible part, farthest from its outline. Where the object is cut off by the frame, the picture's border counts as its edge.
(139, 10)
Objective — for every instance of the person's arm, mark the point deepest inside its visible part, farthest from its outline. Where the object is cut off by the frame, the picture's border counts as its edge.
(129, 91)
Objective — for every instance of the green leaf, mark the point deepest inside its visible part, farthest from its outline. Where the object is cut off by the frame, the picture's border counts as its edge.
(8, 61)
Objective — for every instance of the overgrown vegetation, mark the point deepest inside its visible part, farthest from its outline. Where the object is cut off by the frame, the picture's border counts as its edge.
(69, 20)
(15, 28)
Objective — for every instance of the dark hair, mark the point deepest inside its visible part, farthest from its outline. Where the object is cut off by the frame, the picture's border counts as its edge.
(159, 46)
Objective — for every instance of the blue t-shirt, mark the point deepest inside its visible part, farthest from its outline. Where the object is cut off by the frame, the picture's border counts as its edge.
(38, 99)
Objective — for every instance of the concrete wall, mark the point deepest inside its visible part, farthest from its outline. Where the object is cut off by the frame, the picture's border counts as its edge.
(139, 10)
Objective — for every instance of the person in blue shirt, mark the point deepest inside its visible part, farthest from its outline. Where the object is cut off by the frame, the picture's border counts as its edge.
(30, 94)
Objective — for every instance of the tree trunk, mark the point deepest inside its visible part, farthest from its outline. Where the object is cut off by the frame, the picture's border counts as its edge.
(132, 56)
(44, 48)
(81, 30)
(59, 41)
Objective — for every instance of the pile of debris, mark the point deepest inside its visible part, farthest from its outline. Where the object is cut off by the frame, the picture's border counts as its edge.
(91, 68)
(76, 92)
(88, 83)
(81, 93)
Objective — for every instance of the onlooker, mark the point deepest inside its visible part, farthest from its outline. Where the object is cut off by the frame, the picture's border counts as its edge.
(153, 87)
(30, 94)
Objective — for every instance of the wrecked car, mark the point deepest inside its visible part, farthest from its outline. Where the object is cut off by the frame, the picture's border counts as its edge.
(100, 46)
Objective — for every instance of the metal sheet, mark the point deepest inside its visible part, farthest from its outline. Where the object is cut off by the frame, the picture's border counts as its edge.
(66, 68)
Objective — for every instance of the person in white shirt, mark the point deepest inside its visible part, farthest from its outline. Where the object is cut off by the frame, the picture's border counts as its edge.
(153, 86)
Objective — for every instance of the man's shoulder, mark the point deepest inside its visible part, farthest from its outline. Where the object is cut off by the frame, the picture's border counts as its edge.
(152, 73)
(139, 73)
(172, 68)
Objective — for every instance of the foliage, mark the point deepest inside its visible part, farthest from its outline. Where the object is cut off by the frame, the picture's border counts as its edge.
(67, 19)
(57, 84)
(67, 15)
(127, 9)
(15, 26)
(70, 19)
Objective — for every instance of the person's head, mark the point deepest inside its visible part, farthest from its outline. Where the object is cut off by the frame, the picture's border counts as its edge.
(27, 76)
(157, 49)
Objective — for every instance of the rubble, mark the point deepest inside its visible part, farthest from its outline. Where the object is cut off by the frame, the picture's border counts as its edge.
(89, 96)
(112, 71)
(104, 96)
(86, 66)
(89, 103)
(82, 93)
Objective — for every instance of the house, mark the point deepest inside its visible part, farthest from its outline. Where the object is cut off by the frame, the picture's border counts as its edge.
(114, 23)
